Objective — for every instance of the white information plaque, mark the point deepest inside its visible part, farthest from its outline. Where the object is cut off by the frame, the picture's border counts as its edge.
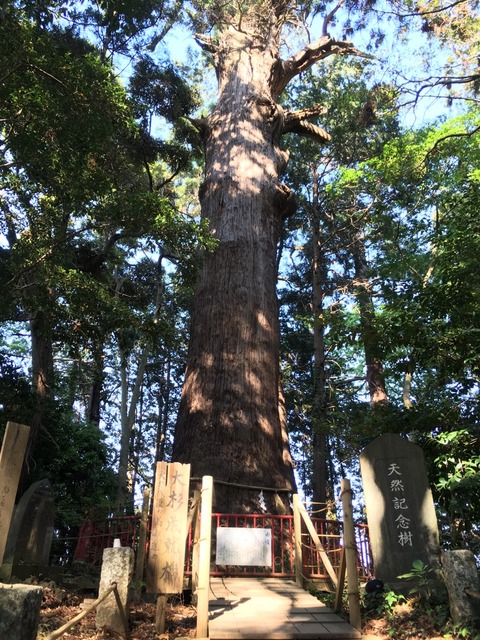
(244, 547)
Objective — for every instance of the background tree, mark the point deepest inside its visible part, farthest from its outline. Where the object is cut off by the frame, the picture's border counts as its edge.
(420, 187)
(80, 195)
(326, 247)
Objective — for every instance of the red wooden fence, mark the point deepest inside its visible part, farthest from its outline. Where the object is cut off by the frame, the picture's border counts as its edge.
(96, 535)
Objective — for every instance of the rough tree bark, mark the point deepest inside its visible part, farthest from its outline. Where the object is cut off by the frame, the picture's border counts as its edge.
(231, 422)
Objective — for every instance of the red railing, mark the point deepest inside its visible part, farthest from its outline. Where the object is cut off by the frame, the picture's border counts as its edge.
(96, 535)
(282, 561)
(330, 533)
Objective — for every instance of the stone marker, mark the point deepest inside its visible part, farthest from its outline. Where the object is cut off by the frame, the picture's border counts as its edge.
(401, 516)
(117, 566)
(460, 573)
(30, 537)
(19, 611)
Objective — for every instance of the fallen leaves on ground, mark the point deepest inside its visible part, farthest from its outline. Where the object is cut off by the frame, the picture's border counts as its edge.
(408, 620)
(60, 606)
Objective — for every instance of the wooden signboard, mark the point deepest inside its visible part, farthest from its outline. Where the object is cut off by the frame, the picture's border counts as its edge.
(168, 536)
(14, 446)
(244, 547)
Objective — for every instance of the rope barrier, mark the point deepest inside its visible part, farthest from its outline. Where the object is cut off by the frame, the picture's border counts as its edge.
(247, 486)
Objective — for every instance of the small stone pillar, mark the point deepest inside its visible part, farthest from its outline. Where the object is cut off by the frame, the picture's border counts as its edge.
(19, 611)
(460, 573)
(117, 566)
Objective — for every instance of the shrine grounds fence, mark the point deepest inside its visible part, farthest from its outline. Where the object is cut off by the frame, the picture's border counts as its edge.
(96, 535)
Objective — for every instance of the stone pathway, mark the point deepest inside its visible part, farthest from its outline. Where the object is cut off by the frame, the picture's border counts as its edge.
(270, 609)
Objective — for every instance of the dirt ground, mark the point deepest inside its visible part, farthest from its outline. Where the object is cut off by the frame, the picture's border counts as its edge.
(60, 606)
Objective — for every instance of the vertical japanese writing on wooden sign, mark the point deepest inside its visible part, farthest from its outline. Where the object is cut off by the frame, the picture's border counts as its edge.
(11, 461)
(166, 556)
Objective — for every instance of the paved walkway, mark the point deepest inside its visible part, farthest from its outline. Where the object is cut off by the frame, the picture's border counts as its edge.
(270, 609)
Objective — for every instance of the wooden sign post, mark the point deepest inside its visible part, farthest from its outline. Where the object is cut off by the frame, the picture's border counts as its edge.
(204, 557)
(350, 551)
(166, 558)
(12, 454)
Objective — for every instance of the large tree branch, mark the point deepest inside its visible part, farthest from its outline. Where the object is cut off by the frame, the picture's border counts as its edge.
(206, 43)
(323, 48)
(308, 130)
(303, 114)
(426, 12)
(297, 122)
(448, 136)
(329, 18)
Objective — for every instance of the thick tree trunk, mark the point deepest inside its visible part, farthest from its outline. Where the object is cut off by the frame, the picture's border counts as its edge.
(230, 423)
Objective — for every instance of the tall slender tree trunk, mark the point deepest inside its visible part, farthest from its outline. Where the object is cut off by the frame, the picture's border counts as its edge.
(320, 428)
(371, 339)
(128, 413)
(42, 386)
(93, 412)
(164, 407)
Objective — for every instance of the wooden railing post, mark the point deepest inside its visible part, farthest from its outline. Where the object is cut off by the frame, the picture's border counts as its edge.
(297, 528)
(316, 541)
(204, 557)
(195, 542)
(341, 583)
(350, 555)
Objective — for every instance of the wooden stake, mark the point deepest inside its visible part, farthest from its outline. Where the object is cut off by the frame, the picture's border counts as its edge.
(318, 545)
(350, 555)
(196, 543)
(297, 528)
(204, 557)
(12, 454)
(71, 623)
(341, 582)
(161, 613)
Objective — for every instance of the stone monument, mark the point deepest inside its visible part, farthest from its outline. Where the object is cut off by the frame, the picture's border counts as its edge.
(461, 579)
(19, 611)
(400, 512)
(30, 536)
